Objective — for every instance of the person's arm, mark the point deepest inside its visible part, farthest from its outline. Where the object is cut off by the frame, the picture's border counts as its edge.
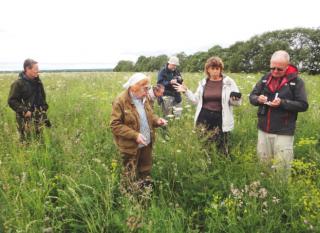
(45, 104)
(162, 79)
(14, 99)
(255, 93)
(300, 102)
(117, 123)
(194, 97)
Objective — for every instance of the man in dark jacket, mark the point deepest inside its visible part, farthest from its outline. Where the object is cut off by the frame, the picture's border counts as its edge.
(28, 99)
(171, 100)
(280, 95)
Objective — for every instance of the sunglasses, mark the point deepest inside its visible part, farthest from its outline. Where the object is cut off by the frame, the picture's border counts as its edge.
(277, 69)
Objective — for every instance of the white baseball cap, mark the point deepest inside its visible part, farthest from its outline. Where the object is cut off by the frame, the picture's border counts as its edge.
(174, 61)
(134, 79)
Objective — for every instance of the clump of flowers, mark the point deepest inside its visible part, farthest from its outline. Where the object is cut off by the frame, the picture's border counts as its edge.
(240, 201)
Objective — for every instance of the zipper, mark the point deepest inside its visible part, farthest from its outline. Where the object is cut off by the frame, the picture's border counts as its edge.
(268, 120)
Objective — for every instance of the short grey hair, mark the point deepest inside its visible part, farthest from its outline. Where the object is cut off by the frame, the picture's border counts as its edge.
(158, 87)
(28, 63)
(280, 55)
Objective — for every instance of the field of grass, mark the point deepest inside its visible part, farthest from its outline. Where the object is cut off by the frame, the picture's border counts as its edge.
(71, 182)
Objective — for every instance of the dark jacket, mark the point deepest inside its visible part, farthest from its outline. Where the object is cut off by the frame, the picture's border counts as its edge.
(27, 95)
(125, 123)
(291, 91)
(165, 75)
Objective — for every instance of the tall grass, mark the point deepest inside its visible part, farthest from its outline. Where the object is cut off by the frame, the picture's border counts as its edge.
(70, 183)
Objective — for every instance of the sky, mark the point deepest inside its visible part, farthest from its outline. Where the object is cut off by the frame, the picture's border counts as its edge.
(62, 34)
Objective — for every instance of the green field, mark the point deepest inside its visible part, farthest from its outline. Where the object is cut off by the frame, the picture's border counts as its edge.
(71, 182)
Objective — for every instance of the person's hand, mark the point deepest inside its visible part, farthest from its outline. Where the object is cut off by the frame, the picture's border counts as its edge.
(275, 103)
(180, 87)
(173, 81)
(28, 114)
(162, 122)
(262, 99)
(141, 139)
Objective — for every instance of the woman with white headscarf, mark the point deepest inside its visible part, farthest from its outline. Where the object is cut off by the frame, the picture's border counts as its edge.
(132, 124)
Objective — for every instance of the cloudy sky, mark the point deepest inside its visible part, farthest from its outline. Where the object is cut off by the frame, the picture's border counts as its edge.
(99, 33)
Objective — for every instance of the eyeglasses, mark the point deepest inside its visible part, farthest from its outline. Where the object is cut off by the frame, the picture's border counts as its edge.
(276, 68)
(146, 88)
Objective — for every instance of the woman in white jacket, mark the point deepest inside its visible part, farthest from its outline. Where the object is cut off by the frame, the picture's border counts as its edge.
(214, 97)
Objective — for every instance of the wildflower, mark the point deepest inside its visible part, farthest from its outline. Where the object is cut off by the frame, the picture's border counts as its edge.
(246, 188)
(254, 185)
(23, 178)
(275, 200)
(263, 193)
(253, 194)
(240, 204)
(47, 230)
(133, 223)
(265, 204)
(96, 160)
(235, 192)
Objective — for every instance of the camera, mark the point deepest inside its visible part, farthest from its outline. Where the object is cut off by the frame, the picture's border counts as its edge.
(235, 94)
(179, 79)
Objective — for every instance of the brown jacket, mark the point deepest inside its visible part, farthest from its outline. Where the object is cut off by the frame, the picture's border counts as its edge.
(125, 123)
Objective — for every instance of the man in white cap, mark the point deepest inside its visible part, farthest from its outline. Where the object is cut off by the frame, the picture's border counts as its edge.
(168, 76)
(132, 124)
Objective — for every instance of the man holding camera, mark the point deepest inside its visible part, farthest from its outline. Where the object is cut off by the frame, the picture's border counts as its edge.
(171, 100)
(28, 99)
(280, 95)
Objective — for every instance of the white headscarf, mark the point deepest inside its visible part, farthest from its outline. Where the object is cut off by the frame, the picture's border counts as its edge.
(135, 78)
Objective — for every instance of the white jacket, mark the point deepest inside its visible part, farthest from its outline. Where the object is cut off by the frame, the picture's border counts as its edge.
(228, 85)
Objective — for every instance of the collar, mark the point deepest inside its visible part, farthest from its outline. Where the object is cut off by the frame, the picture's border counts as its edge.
(151, 93)
(135, 99)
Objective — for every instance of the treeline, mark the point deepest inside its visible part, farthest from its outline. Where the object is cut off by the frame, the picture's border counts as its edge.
(251, 56)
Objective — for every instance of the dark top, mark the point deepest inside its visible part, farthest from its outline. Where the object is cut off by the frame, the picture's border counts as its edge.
(291, 91)
(212, 95)
(27, 95)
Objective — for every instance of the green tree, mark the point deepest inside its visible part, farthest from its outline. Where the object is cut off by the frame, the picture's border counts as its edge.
(124, 66)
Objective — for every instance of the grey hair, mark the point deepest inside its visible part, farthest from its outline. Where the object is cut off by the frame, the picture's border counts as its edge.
(158, 87)
(28, 63)
(280, 55)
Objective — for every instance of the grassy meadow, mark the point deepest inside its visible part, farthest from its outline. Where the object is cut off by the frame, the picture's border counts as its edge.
(70, 183)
